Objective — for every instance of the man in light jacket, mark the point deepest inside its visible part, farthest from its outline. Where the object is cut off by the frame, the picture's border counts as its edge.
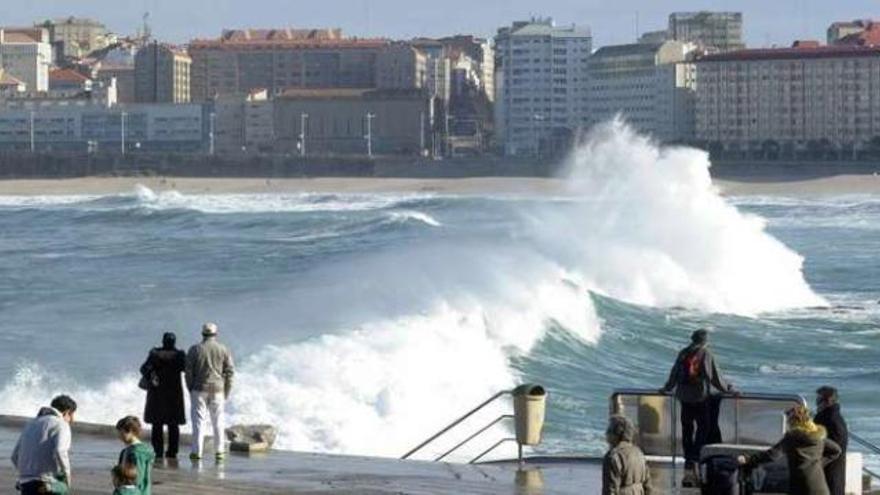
(624, 469)
(41, 454)
(209, 371)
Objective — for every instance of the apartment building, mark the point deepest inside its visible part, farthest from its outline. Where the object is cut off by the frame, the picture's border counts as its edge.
(651, 85)
(713, 31)
(75, 37)
(782, 102)
(25, 54)
(162, 74)
(241, 61)
(540, 85)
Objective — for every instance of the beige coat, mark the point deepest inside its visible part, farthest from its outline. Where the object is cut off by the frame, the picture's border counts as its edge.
(625, 472)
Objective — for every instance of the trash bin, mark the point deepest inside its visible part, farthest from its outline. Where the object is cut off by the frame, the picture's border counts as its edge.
(529, 402)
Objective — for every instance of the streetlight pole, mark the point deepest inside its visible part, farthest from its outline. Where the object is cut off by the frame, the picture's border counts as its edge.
(369, 136)
(211, 133)
(303, 118)
(535, 119)
(33, 144)
(122, 130)
(422, 133)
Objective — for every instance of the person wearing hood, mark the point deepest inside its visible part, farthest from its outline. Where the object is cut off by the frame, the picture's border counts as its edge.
(41, 454)
(209, 372)
(828, 415)
(164, 407)
(807, 449)
(624, 469)
(693, 376)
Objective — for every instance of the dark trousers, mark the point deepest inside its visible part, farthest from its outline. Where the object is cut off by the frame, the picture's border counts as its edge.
(158, 440)
(42, 488)
(695, 429)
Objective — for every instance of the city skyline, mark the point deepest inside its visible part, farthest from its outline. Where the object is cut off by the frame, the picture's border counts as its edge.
(765, 23)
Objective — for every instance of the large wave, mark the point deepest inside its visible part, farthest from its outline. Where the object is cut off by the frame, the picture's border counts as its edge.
(644, 225)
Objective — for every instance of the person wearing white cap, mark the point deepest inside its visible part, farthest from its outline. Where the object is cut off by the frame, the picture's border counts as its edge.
(209, 371)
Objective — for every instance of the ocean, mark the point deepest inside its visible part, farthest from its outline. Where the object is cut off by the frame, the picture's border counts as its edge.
(362, 323)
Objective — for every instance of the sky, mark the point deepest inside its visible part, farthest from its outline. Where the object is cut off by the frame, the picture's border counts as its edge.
(766, 22)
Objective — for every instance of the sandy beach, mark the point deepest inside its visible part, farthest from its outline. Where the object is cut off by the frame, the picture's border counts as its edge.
(760, 185)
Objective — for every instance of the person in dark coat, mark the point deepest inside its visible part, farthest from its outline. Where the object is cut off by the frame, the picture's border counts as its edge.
(693, 376)
(807, 450)
(163, 369)
(828, 415)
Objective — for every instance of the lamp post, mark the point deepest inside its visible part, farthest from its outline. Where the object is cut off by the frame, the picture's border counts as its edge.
(303, 118)
(33, 144)
(122, 130)
(535, 119)
(369, 136)
(211, 133)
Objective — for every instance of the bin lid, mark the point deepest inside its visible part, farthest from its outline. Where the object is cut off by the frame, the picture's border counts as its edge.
(530, 389)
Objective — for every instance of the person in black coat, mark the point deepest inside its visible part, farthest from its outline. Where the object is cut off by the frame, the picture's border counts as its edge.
(162, 370)
(829, 416)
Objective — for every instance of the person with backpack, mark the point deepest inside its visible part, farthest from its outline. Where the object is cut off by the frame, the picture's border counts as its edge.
(693, 376)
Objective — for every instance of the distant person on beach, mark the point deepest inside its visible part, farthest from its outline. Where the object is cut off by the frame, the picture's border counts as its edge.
(41, 455)
(125, 479)
(209, 372)
(828, 416)
(807, 449)
(164, 408)
(693, 375)
(624, 469)
(136, 453)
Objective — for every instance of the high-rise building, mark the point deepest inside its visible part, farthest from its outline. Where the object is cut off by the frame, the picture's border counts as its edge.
(807, 99)
(162, 74)
(241, 61)
(73, 37)
(650, 85)
(540, 85)
(714, 31)
(399, 65)
(25, 54)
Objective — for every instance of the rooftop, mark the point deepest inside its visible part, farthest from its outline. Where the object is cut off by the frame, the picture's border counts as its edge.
(349, 93)
(67, 75)
(282, 34)
(21, 35)
(8, 80)
(807, 51)
(870, 36)
(285, 37)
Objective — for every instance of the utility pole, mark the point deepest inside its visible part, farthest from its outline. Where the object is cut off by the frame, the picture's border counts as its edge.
(211, 133)
(122, 130)
(33, 144)
(422, 132)
(446, 132)
(303, 118)
(369, 136)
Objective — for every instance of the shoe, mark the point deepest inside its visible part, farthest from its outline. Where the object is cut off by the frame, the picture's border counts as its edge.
(195, 457)
(220, 456)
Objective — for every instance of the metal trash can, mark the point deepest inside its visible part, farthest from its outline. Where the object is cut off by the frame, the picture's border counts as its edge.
(529, 403)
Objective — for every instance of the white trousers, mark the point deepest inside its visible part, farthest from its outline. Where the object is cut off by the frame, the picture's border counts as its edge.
(203, 404)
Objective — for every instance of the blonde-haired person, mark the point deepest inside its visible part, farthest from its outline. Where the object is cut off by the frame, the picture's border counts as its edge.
(807, 448)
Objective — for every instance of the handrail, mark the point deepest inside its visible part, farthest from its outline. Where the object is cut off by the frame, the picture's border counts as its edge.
(864, 443)
(871, 473)
(643, 392)
(474, 435)
(493, 447)
(457, 422)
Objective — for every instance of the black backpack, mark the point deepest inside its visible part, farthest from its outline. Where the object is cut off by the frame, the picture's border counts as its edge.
(720, 476)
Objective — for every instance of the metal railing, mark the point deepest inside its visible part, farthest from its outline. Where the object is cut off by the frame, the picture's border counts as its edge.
(477, 433)
(872, 448)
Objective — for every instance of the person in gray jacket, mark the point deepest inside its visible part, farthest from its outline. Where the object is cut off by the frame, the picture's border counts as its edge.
(693, 376)
(41, 453)
(624, 469)
(209, 371)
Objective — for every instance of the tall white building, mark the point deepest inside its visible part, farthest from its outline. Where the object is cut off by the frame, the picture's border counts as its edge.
(651, 85)
(788, 102)
(26, 55)
(540, 85)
